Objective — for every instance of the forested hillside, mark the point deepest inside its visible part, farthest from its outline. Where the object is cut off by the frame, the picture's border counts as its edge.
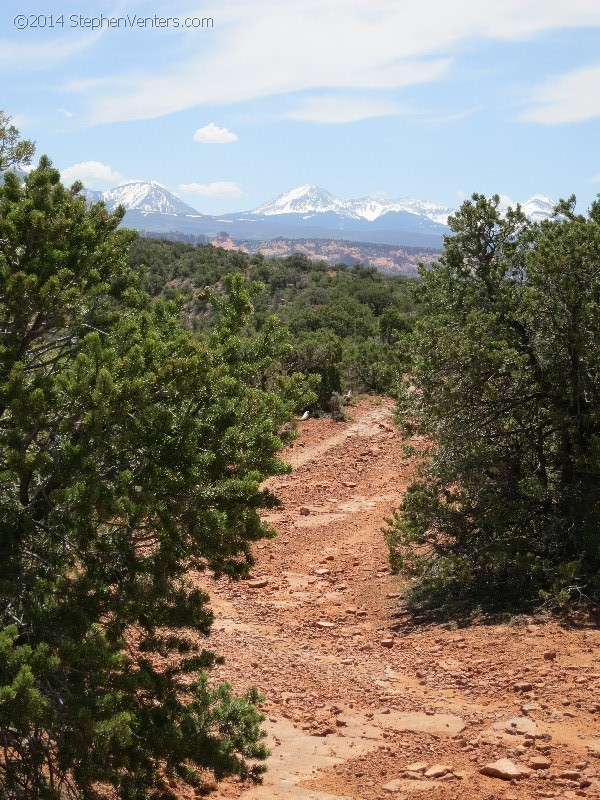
(349, 324)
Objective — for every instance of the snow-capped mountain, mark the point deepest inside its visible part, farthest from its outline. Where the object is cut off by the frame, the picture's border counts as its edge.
(308, 200)
(147, 197)
(539, 207)
(306, 211)
(305, 200)
(370, 209)
(309, 204)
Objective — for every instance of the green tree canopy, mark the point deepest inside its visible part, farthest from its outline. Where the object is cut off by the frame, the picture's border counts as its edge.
(506, 387)
(14, 151)
(131, 455)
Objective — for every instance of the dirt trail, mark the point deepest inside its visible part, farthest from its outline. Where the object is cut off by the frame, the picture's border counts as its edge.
(355, 695)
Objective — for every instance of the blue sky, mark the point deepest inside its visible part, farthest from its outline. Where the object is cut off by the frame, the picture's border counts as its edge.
(426, 99)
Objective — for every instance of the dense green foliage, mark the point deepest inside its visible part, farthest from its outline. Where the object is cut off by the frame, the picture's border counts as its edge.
(505, 387)
(349, 324)
(132, 454)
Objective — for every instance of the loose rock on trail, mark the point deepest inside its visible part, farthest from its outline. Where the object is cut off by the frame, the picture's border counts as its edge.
(362, 704)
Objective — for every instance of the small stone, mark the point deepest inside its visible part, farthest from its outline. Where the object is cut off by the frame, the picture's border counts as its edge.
(348, 660)
(437, 771)
(304, 511)
(505, 769)
(523, 686)
(539, 762)
(325, 730)
(387, 642)
(322, 571)
(324, 624)
(550, 655)
(258, 583)
(522, 726)
(571, 774)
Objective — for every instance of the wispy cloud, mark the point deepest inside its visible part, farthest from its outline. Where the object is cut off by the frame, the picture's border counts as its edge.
(212, 134)
(572, 97)
(338, 109)
(31, 57)
(344, 45)
(92, 174)
(216, 189)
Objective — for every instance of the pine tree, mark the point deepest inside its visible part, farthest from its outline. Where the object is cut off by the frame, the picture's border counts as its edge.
(14, 151)
(505, 388)
(131, 456)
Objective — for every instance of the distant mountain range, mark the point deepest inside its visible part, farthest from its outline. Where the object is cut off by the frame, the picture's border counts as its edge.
(303, 212)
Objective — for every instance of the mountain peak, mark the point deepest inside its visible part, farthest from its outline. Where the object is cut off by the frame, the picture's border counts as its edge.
(309, 200)
(306, 199)
(147, 197)
(539, 207)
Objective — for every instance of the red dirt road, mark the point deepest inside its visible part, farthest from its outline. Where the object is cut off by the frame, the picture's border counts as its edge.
(362, 705)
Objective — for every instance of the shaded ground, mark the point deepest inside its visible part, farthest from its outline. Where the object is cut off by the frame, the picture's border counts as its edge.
(356, 695)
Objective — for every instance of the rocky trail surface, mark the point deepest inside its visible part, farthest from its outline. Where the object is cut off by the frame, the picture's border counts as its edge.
(363, 704)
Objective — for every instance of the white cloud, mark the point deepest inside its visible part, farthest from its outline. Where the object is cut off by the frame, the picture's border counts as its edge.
(338, 109)
(343, 45)
(594, 178)
(216, 189)
(572, 97)
(65, 112)
(92, 174)
(212, 134)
